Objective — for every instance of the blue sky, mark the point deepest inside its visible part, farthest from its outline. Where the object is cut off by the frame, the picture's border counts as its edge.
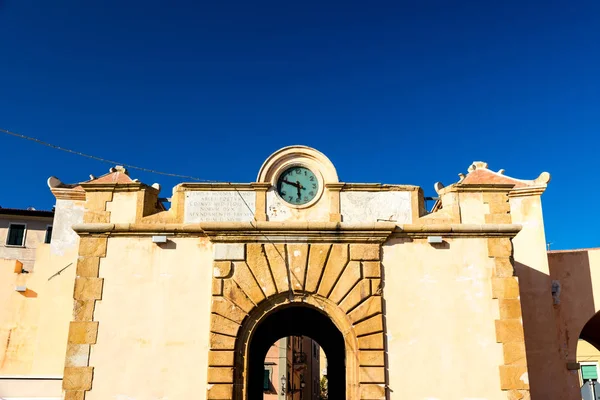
(393, 92)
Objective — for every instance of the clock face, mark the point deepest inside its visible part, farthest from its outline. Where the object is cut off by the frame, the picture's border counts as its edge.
(297, 185)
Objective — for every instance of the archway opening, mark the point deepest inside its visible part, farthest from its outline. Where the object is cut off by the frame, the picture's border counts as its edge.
(588, 357)
(307, 326)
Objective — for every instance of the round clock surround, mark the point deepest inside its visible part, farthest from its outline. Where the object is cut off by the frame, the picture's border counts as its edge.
(298, 185)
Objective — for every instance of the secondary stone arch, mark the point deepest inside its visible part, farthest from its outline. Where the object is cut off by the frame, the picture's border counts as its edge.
(341, 280)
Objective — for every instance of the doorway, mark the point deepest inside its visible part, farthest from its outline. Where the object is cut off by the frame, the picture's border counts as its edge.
(297, 320)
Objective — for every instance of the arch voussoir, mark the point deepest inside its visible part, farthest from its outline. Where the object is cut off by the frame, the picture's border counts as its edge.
(340, 280)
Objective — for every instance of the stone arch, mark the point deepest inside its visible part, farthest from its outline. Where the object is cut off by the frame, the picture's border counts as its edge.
(253, 280)
(591, 331)
(280, 304)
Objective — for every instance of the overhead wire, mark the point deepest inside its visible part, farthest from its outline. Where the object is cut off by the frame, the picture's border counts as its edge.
(153, 171)
(101, 159)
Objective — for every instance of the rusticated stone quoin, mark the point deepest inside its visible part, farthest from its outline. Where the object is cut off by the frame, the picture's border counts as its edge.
(509, 328)
(83, 330)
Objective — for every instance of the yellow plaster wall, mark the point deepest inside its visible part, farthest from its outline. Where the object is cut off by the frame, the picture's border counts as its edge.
(155, 308)
(547, 369)
(594, 262)
(472, 208)
(18, 322)
(586, 352)
(123, 207)
(34, 324)
(439, 315)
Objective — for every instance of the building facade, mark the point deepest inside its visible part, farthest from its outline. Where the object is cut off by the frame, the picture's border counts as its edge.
(22, 231)
(186, 301)
(292, 369)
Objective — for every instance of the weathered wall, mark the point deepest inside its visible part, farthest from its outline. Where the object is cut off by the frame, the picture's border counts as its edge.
(34, 324)
(439, 316)
(67, 213)
(155, 309)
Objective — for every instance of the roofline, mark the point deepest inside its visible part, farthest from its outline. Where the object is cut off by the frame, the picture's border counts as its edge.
(28, 213)
(573, 250)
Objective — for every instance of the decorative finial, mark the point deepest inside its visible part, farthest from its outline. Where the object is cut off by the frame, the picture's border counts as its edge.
(501, 172)
(462, 177)
(438, 186)
(92, 177)
(477, 165)
(543, 179)
(156, 186)
(54, 182)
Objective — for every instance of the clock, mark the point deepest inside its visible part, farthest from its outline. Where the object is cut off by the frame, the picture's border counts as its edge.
(297, 185)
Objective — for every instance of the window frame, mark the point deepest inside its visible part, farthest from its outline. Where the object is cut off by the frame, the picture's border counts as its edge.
(10, 224)
(46, 234)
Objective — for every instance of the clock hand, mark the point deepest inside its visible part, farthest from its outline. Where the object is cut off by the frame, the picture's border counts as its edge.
(290, 183)
(299, 186)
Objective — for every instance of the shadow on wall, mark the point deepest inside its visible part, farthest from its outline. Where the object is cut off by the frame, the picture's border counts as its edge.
(574, 303)
(555, 309)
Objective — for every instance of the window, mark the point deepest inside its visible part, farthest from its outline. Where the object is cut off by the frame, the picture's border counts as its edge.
(16, 235)
(267, 381)
(589, 371)
(48, 237)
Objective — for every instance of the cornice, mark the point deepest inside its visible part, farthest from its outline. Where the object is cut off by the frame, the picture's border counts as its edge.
(255, 231)
(68, 194)
(527, 191)
(278, 232)
(479, 187)
(377, 187)
(457, 230)
(115, 187)
(191, 186)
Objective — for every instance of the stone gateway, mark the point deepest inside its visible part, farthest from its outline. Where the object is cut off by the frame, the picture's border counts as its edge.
(183, 302)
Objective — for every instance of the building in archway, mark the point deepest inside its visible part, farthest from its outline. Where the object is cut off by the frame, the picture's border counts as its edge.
(291, 369)
(185, 302)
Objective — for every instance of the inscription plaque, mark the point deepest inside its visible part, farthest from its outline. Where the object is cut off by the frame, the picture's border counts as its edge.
(374, 206)
(219, 206)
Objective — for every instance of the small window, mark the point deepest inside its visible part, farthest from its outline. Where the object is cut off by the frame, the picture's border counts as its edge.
(589, 372)
(48, 237)
(16, 235)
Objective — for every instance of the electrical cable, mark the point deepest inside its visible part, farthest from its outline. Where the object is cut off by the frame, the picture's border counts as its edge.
(112, 162)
